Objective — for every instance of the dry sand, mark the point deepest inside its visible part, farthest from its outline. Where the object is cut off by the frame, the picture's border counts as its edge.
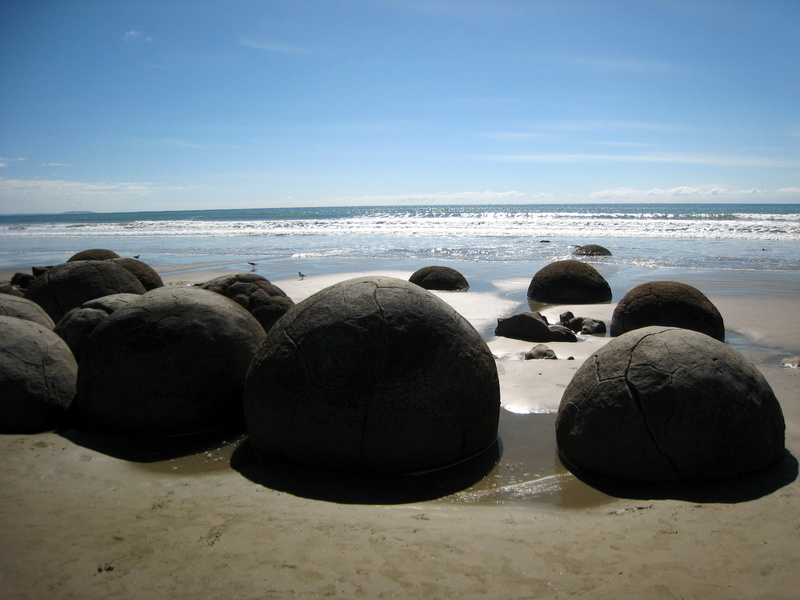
(80, 518)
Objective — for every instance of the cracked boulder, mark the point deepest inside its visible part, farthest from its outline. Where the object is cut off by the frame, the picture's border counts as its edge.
(668, 303)
(569, 281)
(668, 404)
(65, 286)
(261, 298)
(37, 376)
(373, 374)
(440, 278)
(171, 362)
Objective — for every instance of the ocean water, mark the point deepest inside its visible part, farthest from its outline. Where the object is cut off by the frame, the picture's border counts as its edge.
(482, 241)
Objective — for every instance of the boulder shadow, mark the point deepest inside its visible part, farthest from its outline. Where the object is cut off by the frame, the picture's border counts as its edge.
(363, 488)
(721, 491)
(144, 449)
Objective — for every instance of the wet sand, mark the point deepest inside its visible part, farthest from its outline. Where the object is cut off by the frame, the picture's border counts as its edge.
(88, 516)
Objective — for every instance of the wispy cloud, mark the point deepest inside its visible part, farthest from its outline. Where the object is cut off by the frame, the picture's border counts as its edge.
(278, 47)
(485, 197)
(5, 161)
(718, 160)
(133, 35)
(57, 164)
(708, 193)
(612, 64)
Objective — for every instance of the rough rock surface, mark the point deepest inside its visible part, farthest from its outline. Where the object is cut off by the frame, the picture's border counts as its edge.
(146, 275)
(172, 362)
(22, 308)
(77, 325)
(592, 250)
(569, 281)
(583, 325)
(373, 374)
(669, 303)
(70, 284)
(37, 376)
(540, 352)
(531, 326)
(439, 278)
(668, 404)
(93, 254)
(9, 289)
(262, 299)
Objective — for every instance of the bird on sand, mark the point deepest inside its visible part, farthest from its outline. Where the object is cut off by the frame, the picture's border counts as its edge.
(301, 274)
(252, 264)
(137, 256)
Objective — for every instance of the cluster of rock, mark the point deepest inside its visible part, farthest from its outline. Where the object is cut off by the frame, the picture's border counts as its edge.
(532, 326)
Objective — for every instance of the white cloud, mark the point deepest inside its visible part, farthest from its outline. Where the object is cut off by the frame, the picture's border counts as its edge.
(473, 197)
(4, 161)
(697, 159)
(133, 35)
(57, 164)
(707, 193)
(271, 46)
(609, 63)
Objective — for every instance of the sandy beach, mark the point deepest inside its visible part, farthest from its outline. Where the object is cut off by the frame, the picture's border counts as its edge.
(85, 517)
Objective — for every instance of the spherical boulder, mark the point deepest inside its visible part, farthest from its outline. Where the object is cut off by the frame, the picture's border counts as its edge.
(37, 376)
(22, 308)
(569, 281)
(146, 275)
(372, 374)
(70, 284)
(669, 303)
(669, 404)
(93, 254)
(264, 300)
(592, 250)
(172, 362)
(77, 325)
(440, 278)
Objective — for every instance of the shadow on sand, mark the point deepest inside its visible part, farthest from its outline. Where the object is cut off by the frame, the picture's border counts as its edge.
(359, 488)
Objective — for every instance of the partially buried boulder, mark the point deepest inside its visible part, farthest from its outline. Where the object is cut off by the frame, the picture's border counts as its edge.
(439, 278)
(374, 375)
(70, 284)
(262, 299)
(668, 404)
(146, 275)
(77, 325)
(171, 362)
(540, 352)
(37, 377)
(569, 281)
(532, 326)
(583, 325)
(668, 303)
(21, 308)
(591, 250)
(93, 254)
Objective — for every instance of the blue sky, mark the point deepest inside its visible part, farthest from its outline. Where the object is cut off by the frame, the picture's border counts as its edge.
(159, 105)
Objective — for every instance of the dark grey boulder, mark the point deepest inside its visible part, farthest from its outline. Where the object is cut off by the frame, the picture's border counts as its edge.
(372, 374)
(93, 254)
(264, 300)
(540, 352)
(592, 250)
(77, 325)
(70, 284)
(22, 308)
(37, 377)
(531, 326)
(146, 275)
(439, 278)
(583, 325)
(22, 280)
(569, 281)
(669, 404)
(9, 289)
(669, 303)
(172, 362)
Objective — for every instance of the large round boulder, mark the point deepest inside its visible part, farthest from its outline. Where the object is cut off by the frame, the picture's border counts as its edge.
(70, 284)
(669, 303)
(93, 254)
(77, 325)
(22, 308)
(569, 282)
(669, 404)
(172, 362)
(37, 376)
(439, 278)
(264, 300)
(146, 275)
(375, 375)
(591, 250)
